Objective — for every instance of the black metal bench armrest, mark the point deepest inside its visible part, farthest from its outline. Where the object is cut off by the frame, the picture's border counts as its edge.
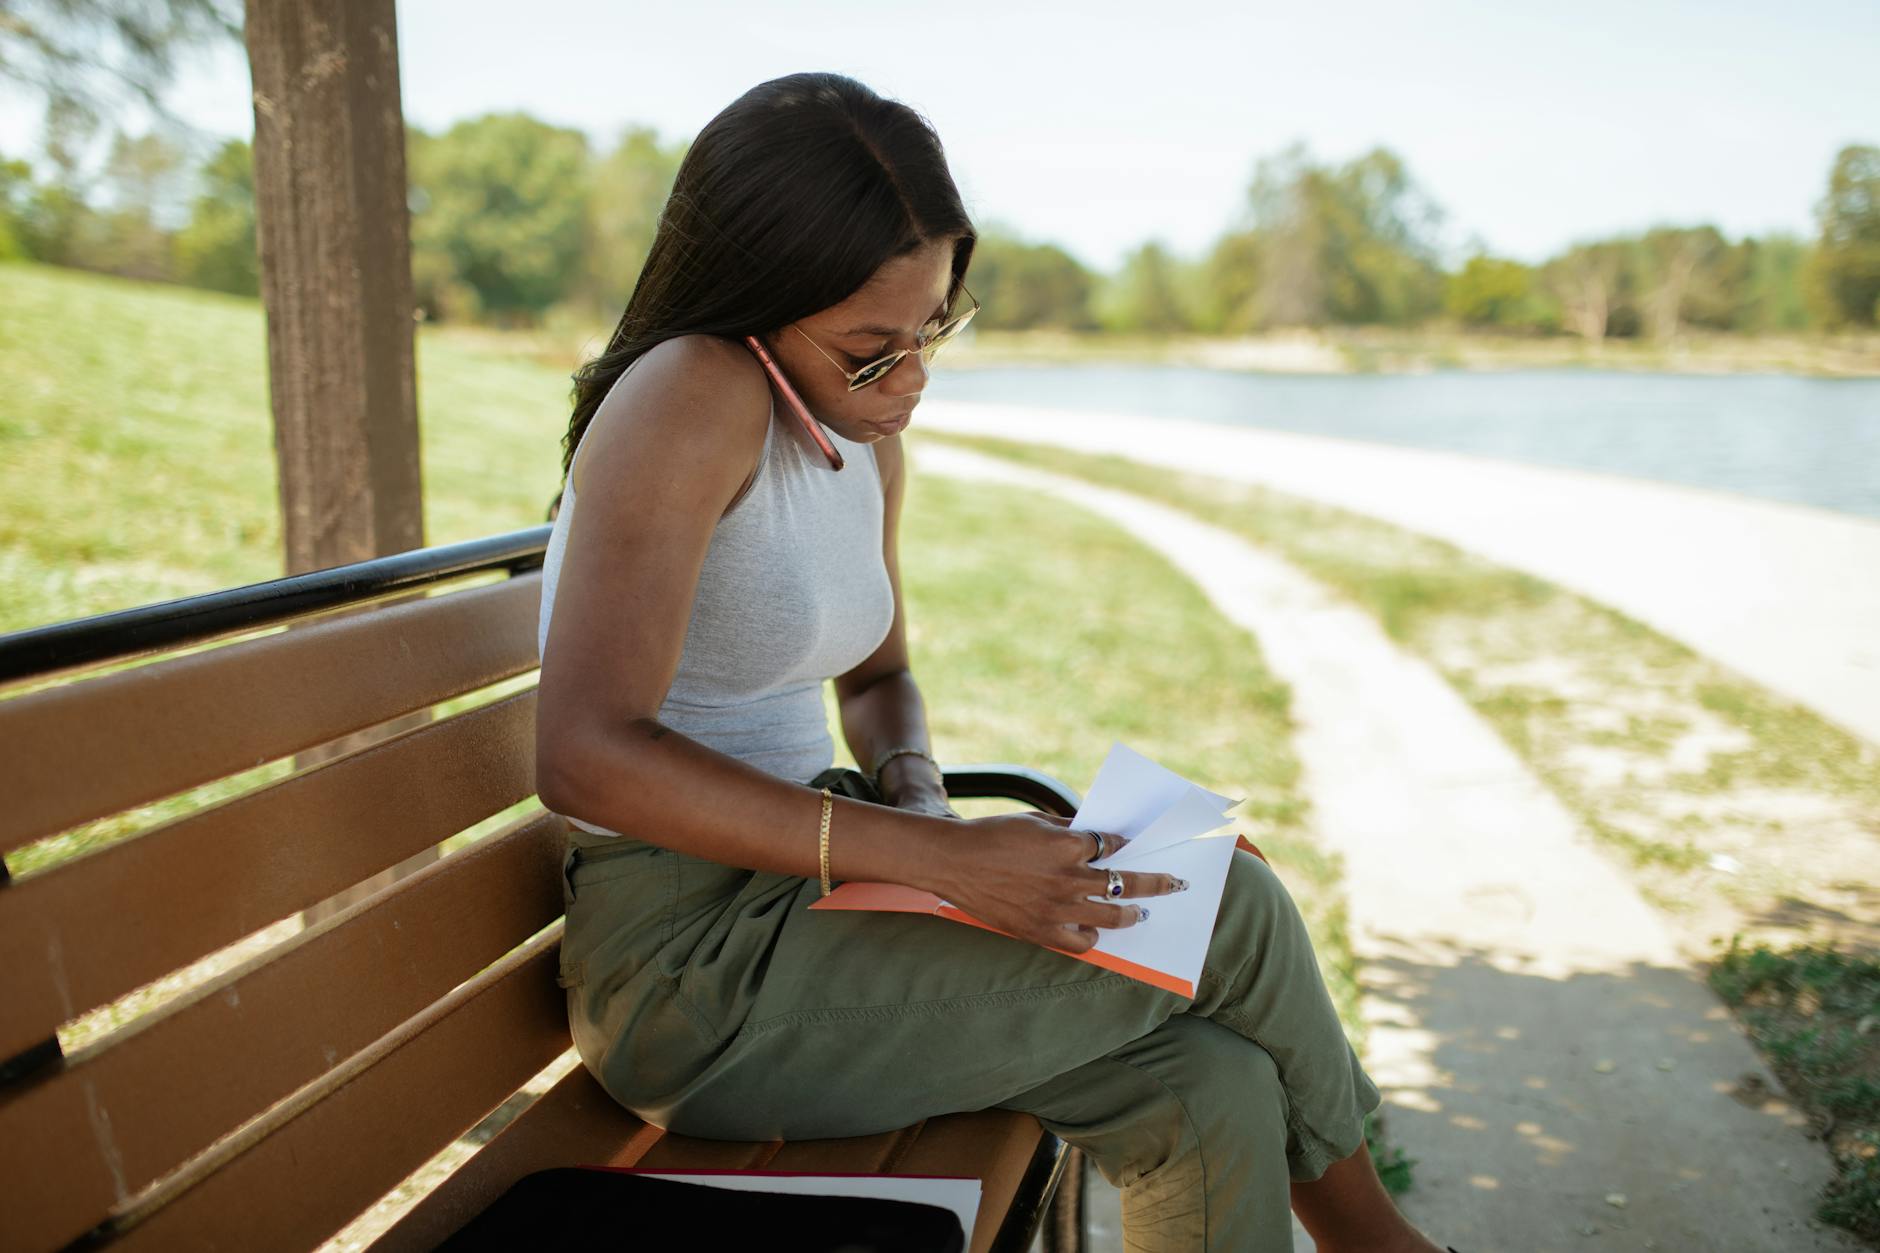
(1017, 783)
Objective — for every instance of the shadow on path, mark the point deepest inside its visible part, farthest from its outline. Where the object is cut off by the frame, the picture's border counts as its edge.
(1534, 1102)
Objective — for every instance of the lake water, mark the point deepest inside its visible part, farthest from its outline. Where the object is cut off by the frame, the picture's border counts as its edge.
(1805, 440)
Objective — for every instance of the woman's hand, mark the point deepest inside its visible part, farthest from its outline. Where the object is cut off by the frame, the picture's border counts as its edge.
(1029, 875)
(912, 782)
(935, 805)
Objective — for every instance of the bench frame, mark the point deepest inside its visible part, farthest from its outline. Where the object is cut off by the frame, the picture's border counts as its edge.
(78, 1165)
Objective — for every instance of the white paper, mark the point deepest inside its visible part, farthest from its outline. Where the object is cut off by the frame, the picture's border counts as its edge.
(1131, 791)
(959, 1194)
(1174, 937)
(1174, 827)
(1193, 814)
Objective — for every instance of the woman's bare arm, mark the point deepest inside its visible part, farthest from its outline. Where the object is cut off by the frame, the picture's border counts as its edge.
(661, 461)
(880, 704)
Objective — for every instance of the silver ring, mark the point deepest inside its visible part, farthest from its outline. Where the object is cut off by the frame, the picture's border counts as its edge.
(1098, 855)
(1116, 884)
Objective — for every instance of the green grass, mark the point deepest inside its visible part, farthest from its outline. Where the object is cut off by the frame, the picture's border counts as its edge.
(1023, 659)
(1816, 1013)
(1031, 657)
(136, 446)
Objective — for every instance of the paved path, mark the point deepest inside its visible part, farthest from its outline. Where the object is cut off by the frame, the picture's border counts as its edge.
(1786, 595)
(1539, 1041)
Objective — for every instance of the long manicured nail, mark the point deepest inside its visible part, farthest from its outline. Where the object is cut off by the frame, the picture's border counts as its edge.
(1142, 914)
(1181, 885)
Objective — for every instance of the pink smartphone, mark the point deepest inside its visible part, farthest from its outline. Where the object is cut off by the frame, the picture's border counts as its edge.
(803, 415)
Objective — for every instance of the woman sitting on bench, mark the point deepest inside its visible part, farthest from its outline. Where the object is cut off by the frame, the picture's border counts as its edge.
(716, 557)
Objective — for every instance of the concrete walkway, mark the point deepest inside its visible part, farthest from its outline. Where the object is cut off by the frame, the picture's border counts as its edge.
(1563, 1079)
(1786, 595)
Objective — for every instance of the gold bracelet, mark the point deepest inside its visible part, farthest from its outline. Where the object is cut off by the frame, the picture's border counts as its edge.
(881, 763)
(823, 840)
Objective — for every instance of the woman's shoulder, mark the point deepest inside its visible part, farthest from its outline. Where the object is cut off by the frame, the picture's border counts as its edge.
(695, 398)
(720, 378)
(712, 353)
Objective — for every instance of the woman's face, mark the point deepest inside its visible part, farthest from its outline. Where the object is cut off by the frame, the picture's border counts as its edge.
(886, 314)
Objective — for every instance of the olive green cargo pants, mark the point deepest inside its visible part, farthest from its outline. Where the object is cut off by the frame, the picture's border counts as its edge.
(714, 1002)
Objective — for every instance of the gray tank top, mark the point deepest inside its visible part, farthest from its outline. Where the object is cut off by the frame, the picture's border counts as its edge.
(793, 592)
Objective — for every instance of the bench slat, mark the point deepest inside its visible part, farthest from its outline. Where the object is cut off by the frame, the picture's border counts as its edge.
(671, 1152)
(209, 878)
(174, 724)
(114, 1119)
(317, 1163)
(574, 1122)
(882, 1153)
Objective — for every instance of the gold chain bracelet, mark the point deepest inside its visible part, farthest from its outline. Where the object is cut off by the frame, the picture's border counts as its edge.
(823, 840)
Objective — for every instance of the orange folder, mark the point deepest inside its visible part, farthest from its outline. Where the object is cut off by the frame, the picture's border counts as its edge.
(895, 898)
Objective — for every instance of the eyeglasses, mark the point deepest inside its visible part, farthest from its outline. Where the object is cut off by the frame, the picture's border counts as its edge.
(880, 367)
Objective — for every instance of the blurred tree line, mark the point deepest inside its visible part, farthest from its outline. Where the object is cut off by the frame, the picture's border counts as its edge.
(1357, 244)
(512, 217)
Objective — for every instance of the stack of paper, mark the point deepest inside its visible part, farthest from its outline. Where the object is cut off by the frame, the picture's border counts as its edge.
(1173, 827)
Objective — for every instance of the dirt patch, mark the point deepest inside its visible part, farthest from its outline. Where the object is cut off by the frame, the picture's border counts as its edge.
(1713, 816)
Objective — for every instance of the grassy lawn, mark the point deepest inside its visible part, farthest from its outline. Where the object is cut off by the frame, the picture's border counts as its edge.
(1749, 820)
(1021, 661)
(137, 455)
(136, 465)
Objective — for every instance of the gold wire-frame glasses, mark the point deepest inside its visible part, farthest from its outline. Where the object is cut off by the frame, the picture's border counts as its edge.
(879, 368)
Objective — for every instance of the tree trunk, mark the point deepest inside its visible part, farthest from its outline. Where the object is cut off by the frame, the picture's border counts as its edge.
(336, 277)
(334, 241)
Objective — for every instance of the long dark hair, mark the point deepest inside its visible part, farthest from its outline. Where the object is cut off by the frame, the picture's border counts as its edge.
(787, 202)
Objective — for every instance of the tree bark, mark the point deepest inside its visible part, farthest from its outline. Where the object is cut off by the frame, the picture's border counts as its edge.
(335, 249)
(334, 241)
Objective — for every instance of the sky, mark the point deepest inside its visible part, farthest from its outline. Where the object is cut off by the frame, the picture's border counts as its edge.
(1099, 126)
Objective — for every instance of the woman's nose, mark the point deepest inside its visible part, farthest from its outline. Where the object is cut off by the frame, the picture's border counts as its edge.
(903, 381)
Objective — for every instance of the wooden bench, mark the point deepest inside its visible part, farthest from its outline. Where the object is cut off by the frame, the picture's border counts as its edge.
(277, 1096)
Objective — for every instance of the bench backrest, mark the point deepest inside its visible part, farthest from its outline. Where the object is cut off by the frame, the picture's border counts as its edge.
(200, 1047)
(166, 812)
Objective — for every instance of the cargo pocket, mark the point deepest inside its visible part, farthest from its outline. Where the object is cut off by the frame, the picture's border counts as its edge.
(600, 900)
